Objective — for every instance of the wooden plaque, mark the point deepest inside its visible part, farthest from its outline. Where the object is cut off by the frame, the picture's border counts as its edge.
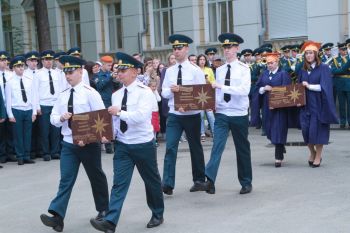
(92, 126)
(287, 96)
(195, 97)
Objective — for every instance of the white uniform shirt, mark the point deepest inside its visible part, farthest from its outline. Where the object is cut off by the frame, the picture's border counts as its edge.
(137, 116)
(239, 89)
(41, 85)
(85, 99)
(191, 75)
(8, 77)
(30, 73)
(14, 95)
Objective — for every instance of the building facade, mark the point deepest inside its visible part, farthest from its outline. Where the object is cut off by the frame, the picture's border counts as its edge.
(106, 26)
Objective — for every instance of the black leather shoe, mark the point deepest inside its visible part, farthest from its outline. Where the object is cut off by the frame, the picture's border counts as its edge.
(198, 186)
(154, 222)
(103, 225)
(246, 189)
(11, 158)
(28, 161)
(56, 222)
(20, 162)
(1, 166)
(100, 215)
(210, 187)
(109, 151)
(310, 163)
(46, 158)
(55, 156)
(278, 164)
(3, 159)
(167, 190)
(342, 126)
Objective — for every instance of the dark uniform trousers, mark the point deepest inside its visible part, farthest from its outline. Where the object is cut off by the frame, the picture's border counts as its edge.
(144, 157)
(238, 125)
(22, 131)
(3, 140)
(176, 124)
(49, 134)
(71, 157)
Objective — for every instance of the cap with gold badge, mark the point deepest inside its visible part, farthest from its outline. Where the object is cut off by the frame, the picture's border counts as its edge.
(71, 63)
(230, 39)
(126, 61)
(17, 61)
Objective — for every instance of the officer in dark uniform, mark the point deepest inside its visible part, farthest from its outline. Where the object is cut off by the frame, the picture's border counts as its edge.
(210, 52)
(326, 49)
(231, 88)
(341, 83)
(247, 55)
(182, 73)
(76, 99)
(286, 61)
(104, 85)
(135, 146)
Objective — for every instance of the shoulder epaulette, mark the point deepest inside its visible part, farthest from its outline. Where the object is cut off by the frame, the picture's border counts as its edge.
(65, 89)
(87, 87)
(243, 64)
(141, 85)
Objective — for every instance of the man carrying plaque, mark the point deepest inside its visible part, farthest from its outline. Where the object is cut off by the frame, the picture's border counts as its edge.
(275, 120)
(78, 98)
(232, 89)
(182, 73)
(135, 146)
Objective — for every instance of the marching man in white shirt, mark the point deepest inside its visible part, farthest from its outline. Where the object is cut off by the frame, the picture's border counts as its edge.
(232, 102)
(20, 104)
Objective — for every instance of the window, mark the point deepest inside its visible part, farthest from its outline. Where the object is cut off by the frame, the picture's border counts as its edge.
(163, 21)
(73, 18)
(33, 38)
(286, 18)
(115, 29)
(8, 36)
(220, 17)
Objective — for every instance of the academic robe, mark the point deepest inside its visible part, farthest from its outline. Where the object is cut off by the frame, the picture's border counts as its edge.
(319, 111)
(276, 120)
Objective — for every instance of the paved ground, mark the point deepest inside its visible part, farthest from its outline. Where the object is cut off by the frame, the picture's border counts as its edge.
(294, 198)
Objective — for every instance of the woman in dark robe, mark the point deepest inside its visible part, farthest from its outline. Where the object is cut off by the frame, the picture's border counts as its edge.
(276, 120)
(319, 111)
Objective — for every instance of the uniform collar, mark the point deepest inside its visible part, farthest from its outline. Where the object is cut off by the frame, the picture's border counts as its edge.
(232, 62)
(185, 63)
(132, 86)
(78, 86)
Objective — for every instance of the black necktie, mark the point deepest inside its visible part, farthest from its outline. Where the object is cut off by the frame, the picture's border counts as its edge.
(227, 97)
(179, 76)
(123, 125)
(52, 89)
(4, 79)
(23, 91)
(70, 106)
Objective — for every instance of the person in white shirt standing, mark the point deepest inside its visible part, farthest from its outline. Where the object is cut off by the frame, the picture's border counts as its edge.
(20, 104)
(47, 85)
(6, 138)
(32, 59)
(232, 88)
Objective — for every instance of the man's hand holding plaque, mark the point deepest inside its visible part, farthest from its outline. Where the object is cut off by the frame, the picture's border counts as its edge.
(91, 127)
(194, 97)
